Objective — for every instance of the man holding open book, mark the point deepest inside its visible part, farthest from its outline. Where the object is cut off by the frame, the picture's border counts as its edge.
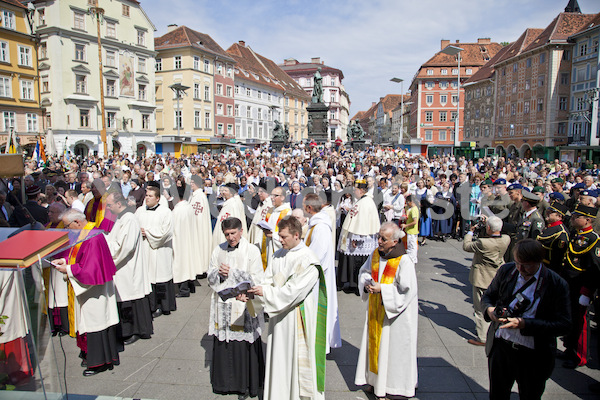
(235, 321)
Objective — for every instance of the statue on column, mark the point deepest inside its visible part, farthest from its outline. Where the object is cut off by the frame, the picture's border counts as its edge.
(278, 133)
(317, 95)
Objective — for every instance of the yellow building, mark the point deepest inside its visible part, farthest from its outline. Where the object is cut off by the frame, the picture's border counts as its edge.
(205, 114)
(19, 95)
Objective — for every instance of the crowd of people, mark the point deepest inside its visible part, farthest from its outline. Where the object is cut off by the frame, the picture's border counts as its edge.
(277, 234)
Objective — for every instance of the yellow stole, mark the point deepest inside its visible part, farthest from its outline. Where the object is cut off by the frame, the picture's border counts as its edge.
(263, 249)
(309, 236)
(376, 309)
(46, 271)
(71, 293)
(100, 211)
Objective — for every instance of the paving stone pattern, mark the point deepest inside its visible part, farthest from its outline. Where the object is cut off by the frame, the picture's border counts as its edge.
(175, 363)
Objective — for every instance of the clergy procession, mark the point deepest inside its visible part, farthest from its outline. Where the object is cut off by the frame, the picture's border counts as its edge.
(280, 238)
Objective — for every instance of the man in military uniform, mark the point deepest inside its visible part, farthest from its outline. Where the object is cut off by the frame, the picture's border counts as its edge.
(580, 266)
(532, 223)
(542, 205)
(574, 199)
(557, 187)
(515, 210)
(529, 225)
(555, 237)
(499, 206)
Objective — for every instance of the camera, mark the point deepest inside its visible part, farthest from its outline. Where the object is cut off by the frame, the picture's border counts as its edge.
(516, 311)
(480, 222)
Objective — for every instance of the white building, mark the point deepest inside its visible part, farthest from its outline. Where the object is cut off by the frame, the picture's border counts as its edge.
(70, 76)
(264, 93)
(334, 93)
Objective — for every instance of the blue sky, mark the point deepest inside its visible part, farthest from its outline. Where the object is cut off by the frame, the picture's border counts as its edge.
(370, 41)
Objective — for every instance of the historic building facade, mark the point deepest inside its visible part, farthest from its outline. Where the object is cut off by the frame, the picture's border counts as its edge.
(69, 65)
(192, 61)
(480, 106)
(334, 93)
(533, 89)
(436, 96)
(265, 93)
(583, 133)
(19, 95)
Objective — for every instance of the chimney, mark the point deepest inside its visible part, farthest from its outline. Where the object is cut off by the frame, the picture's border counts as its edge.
(242, 43)
(457, 41)
(484, 41)
(315, 60)
(445, 44)
(171, 27)
(290, 61)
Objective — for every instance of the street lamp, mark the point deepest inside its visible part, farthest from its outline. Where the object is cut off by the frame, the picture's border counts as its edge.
(179, 89)
(401, 82)
(455, 51)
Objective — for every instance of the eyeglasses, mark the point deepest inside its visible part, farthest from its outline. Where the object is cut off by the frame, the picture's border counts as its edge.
(69, 224)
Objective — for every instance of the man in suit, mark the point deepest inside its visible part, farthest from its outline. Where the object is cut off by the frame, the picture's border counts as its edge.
(31, 211)
(529, 307)
(488, 257)
(6, 209)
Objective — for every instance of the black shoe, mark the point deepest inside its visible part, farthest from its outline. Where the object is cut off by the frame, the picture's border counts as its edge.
(571, 364)
(97, 370)
(166, 312)
(132, 339)
(54, 334)
(84, 363)
(157, 313)
(202, 276)
(565, 355)
(594, 387)
(61, 333)
(182, 295)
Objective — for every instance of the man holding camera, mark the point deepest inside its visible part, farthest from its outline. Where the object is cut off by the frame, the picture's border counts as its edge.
(529, 307)
(488, 257)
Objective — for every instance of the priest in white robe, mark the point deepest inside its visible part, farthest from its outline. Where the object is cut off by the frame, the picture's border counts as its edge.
(358, 238)
(13, 342)
(295, 297)
(202, 227)
(319, 240)
(280, 210)
(236, 323)
(93, 313)
(255, 233)
(387, 360)
(231, 208)
(131, 280)
(184, 270)
(156, 222)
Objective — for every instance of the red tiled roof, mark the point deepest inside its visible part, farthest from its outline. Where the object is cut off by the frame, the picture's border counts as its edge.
(15, 3)
(310, 68)
(473, 54)
(256, 68)
(592, 24)
(519, 46)
(358, 115)
(559, 30)
(487, 71)
(370, 112)
(184, 36)
(390, 102)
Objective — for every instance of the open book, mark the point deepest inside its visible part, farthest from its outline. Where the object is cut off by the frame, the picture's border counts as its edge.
(232, 292)
(265, 225)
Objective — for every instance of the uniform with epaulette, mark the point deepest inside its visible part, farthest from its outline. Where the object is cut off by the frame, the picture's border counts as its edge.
(555, 238)
(580, 270)
(532, 223)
